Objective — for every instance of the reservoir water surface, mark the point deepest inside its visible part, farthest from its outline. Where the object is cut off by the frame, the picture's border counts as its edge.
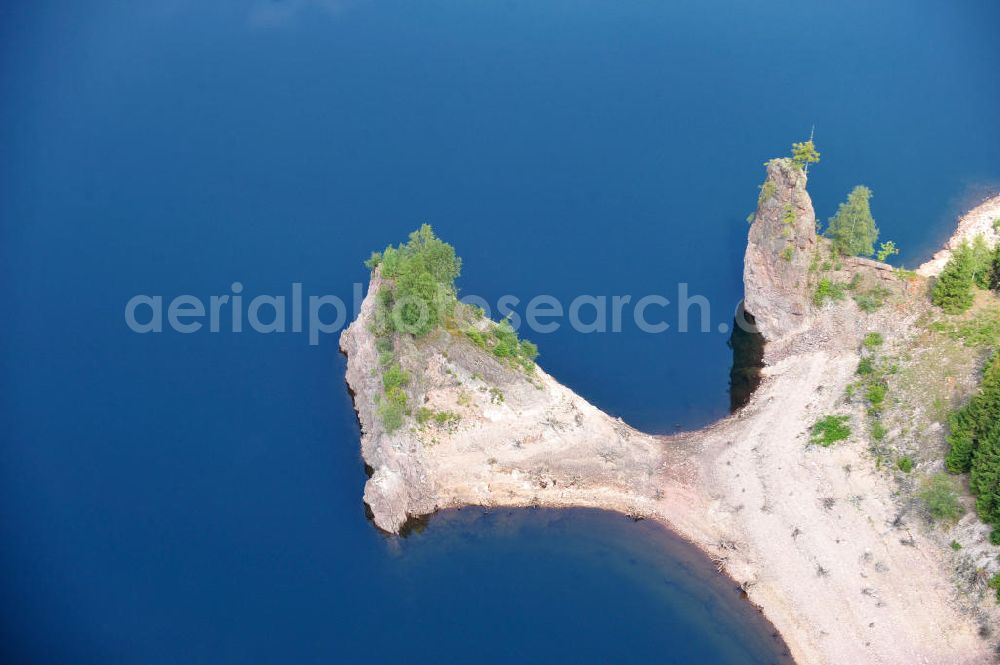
(196, 498)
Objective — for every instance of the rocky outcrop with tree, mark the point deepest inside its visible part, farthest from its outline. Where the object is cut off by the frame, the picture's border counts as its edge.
(808, 523)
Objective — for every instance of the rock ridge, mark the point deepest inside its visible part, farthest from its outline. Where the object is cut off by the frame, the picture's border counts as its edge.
(769, 509)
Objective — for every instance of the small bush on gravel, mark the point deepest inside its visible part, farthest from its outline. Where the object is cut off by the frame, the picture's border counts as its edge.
(995, 585)
(872, 340)
(828, 290)
(829, 430)
(941, 498)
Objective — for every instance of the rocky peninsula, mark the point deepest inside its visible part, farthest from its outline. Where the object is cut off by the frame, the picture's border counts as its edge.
(812, 534)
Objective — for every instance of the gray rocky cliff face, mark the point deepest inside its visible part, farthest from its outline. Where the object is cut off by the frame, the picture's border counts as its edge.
(780, 248)
(513, 437)
(398, 486)
(785, 263)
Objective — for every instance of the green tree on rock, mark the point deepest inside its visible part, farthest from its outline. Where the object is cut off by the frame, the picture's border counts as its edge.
(953, 289)
(887, 249)
(419, 293)
(804, 154)
(853, 229)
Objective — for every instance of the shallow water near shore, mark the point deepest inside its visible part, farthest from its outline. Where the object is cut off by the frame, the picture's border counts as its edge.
(196, 498)
(633, 589)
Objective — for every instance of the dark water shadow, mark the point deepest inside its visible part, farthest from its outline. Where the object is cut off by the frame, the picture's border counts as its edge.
(748, 360)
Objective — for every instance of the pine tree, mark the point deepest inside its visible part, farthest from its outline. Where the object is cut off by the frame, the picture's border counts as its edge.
(995, 271)
(853, 229)
(982, 262)
(420, 290)
(804, 154)
(961, 445)
(953, 289)
(970, 423)
(975, 443)
(984, 481)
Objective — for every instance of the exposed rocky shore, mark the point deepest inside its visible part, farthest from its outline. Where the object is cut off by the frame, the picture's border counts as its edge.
(807, 531)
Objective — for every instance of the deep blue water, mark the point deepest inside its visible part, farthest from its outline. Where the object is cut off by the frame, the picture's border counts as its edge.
(170, 498)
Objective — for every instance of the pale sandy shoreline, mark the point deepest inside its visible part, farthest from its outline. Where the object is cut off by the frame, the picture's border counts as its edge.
(977, 221)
